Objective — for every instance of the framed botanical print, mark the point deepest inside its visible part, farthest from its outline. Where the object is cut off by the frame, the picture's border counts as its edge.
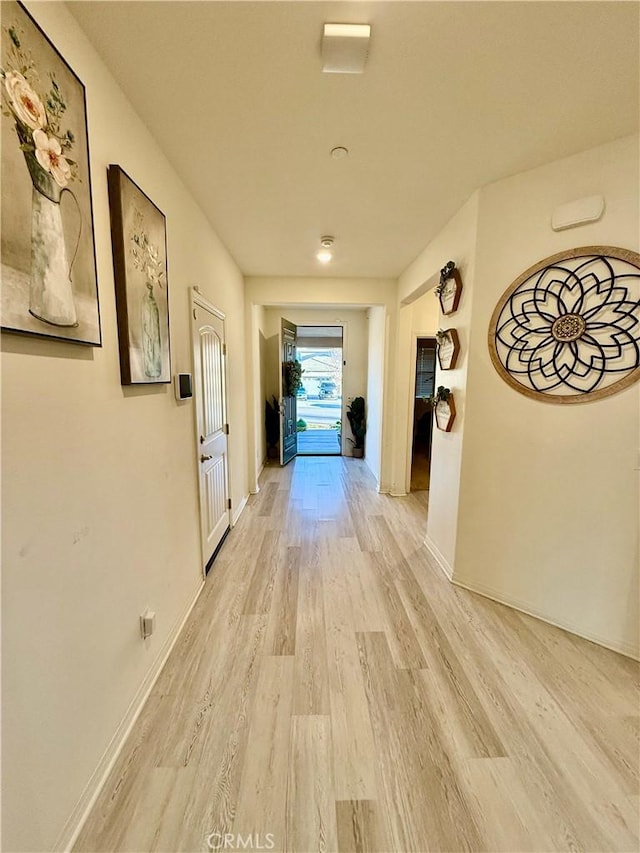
(139, 243)
(47, 252)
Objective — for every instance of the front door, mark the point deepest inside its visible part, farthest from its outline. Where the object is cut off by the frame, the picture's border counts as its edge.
(288, 421)
(209, 352)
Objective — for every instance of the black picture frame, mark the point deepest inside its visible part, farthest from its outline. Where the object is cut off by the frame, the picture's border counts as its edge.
(49, 273)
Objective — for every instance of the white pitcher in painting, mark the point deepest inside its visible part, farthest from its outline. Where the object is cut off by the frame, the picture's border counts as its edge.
(51, 294)
(146, 258)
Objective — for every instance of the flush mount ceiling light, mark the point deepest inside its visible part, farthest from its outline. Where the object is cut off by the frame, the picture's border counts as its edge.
(339, 152)
(345, 48)
(325, 254)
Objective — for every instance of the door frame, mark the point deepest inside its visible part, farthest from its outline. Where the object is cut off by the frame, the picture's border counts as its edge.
(415, 337)
(290, 326)
(199, 301)
(344, 325)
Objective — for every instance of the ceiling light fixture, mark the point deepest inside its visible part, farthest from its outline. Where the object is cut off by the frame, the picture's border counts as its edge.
(345, 48)
(325, 254)
(339, 152)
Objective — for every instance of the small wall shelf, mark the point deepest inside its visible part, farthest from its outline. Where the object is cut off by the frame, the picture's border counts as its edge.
(449, 290)
(444, 413)
(448, 348)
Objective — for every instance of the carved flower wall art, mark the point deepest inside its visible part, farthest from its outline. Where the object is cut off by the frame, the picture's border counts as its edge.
(570, 326)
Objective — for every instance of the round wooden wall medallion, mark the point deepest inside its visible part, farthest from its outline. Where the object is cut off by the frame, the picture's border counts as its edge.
(568, 329)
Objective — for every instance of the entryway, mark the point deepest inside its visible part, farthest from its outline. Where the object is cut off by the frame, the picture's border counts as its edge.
(423, 414)
(319, 409)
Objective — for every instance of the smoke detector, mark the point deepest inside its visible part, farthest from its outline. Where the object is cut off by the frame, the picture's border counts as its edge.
(345, 48)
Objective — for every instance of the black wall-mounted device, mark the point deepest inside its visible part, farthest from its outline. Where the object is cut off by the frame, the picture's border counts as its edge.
(183, 385)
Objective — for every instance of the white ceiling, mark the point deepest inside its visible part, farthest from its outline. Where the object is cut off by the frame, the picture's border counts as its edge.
(455, 95)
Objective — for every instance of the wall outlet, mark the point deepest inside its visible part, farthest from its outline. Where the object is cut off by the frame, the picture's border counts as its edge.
(147, 624)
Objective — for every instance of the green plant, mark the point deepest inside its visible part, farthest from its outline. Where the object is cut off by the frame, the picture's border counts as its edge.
(301, 425)
(445, 273)
(441, 395)
(272, 422)
(357, 422)
(337, 425)
(292, 377)
(441, 336)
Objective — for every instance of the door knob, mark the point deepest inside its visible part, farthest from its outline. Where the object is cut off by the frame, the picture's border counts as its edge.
(204, 458)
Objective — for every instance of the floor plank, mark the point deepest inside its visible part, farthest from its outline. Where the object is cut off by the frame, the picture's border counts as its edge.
(310, 802)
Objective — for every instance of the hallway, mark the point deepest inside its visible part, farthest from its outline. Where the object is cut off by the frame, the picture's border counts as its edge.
(331, 690)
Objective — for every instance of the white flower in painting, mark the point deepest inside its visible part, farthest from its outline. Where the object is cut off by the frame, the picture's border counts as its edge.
(25, 104)
(49, 155)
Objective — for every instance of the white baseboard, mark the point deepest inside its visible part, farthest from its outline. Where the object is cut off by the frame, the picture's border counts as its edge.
(76, 820)
(382, 490)
(439, 557)
(395, 494)
(238, 512)
(256, 488)
(623, 648)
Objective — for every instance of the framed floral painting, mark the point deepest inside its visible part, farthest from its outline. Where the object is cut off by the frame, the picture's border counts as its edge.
(47, 252)
(139, 242)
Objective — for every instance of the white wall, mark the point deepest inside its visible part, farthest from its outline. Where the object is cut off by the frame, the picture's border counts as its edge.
(377, 358)
(425, 315)
(100, 512)
(549, 494)
(258, 388)
(457, 242)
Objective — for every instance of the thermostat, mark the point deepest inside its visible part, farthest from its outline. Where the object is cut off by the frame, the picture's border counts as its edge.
(183, 386)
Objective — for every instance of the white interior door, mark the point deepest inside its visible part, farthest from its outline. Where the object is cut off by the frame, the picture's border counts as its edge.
(209, 354)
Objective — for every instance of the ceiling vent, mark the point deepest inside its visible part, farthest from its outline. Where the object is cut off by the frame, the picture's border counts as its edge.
(345, 48)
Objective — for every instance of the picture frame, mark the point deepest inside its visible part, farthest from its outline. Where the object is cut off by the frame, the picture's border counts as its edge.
(448, 348)
(47, 249)
(139, 245)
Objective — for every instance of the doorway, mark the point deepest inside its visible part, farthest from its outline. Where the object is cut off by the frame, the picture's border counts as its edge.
(319, 409)
(423, 414)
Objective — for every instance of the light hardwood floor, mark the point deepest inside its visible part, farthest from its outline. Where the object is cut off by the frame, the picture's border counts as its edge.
(332, 691)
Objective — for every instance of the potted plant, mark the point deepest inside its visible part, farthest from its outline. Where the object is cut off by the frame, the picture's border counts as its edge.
(272, 427)
(358, 424)
(441, 396)
(338, 427)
